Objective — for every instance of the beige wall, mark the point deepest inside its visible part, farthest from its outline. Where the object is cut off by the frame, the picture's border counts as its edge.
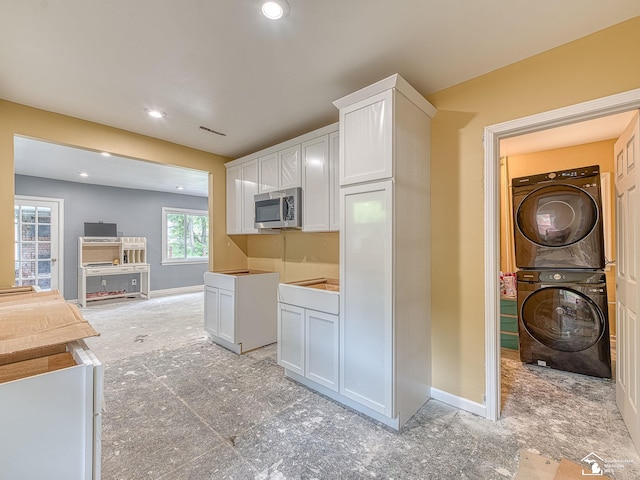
(21, 120)
(595, 153)
(296, 255)
(592, 67)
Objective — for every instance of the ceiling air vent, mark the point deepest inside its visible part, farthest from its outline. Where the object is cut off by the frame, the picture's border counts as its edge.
(206, 129)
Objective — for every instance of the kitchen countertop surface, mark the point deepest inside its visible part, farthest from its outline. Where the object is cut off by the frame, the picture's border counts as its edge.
(239, 272)
(328, 284)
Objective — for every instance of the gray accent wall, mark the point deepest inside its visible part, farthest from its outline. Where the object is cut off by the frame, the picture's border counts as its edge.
(138, 213)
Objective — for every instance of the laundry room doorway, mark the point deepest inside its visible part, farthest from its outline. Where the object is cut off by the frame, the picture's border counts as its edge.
(493, 134)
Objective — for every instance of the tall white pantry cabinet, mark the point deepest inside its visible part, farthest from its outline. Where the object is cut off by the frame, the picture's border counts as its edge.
(385, 346)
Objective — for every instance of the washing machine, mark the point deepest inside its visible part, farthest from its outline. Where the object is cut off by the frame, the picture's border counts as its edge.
(563, 320)
(558, 220)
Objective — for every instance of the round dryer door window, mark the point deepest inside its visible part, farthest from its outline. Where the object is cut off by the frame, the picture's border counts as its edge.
(557, 215)
(562, 319)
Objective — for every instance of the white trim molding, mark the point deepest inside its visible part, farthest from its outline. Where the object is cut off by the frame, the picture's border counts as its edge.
(165, 292)
(600, 107)
(176, 291)
(458, 402)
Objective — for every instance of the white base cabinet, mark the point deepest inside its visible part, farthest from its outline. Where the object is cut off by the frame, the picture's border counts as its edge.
(240, 308)
(291, 337)
(51, 422)
(308, 344)
(321, 348)
(219, 319)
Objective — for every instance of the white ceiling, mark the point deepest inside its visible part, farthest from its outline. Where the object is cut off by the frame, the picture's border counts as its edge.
(605, 128)
(220, 64)
(49, 160)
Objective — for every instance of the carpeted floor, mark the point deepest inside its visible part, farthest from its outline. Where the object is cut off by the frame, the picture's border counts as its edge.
(178, 407)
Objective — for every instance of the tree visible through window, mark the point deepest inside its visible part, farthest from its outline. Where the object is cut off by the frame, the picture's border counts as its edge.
(186, 235)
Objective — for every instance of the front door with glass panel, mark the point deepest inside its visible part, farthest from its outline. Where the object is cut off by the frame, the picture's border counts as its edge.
(37, 239)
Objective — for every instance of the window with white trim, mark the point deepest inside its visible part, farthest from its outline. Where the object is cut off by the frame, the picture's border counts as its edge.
(185, 235)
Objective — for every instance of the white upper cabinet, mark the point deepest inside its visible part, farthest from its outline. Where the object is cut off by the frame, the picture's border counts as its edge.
(321, 202)
(290, 171)
(334, 181)
(368, 153)
(268, 172)
(369, 129)
(250, 188)
(280, 170)
(315, 182)
(309, 161)
(242, 185)
(234, 200)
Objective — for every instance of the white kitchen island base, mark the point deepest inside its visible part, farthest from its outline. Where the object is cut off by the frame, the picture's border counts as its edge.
(240, 308)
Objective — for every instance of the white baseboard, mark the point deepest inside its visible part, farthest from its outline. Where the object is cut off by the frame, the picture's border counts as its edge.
(459, 402)
(176, 291)
(165, 292)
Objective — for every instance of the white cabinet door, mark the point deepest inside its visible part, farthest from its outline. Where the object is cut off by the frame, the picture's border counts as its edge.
(249, 189)
(290, 169)
(211, 300)
(321, 348)
(366, 139)
(268, 169)
(226, 315)
(234, 200)
(315, 156)
(291, 337)
(334, 181)
(366, 302)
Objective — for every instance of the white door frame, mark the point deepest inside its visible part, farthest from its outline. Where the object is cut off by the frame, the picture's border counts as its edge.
(601, 107)
(60, 203)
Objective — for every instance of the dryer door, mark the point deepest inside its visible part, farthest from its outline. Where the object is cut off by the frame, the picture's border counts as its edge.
(562, 319)
(557, 215)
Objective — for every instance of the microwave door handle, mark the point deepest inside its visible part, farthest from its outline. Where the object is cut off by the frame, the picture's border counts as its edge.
(285, 208)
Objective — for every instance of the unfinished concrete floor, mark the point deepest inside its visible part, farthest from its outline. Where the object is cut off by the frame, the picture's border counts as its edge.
(178, 407)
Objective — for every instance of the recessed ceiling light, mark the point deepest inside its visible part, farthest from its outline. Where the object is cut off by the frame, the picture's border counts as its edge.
(275, 9)
(105, 154)
(180, 187)
(152, 112)
(83, 174)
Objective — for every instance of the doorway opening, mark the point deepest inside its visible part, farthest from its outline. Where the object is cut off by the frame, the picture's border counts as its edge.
(492, 135)
(123, 191)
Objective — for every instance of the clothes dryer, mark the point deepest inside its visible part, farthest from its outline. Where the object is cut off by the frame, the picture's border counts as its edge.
(558, 220)
(563, 320)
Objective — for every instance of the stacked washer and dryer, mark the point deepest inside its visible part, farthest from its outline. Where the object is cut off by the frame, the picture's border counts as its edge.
(562, 293)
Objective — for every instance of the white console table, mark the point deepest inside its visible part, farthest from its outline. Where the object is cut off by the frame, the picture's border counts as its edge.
(121, 256)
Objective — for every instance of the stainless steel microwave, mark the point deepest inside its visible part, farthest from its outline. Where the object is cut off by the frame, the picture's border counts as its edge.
(280, 209)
